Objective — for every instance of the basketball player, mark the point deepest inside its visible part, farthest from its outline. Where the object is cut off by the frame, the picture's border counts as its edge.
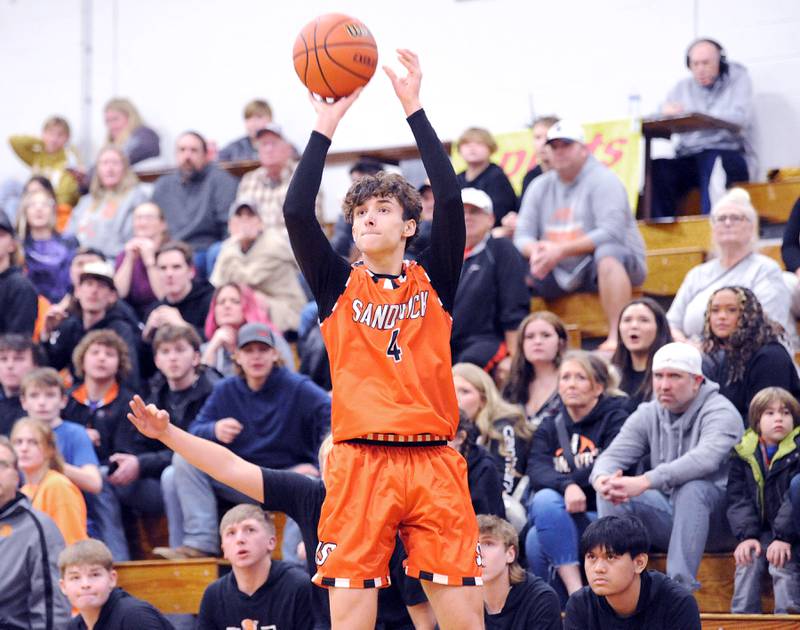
(386, 324)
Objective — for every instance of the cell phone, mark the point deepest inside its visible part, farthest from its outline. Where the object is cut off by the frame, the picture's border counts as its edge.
(112, 468)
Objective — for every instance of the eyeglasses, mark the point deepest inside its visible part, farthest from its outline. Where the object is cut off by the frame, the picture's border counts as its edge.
(729, 218)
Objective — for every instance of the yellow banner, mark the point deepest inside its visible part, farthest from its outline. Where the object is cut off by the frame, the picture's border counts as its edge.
(615, 143)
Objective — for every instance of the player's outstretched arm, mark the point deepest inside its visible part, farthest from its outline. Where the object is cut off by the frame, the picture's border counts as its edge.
(213, 459)
(407, 87)
(329, 114)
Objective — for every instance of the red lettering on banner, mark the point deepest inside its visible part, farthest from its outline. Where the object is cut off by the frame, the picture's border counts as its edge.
(595, 143)
(614, 154)
(511, 161)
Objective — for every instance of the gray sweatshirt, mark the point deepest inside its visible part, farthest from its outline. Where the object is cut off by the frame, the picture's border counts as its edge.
(693, 445)
(594, 204)
(729, 98)
(29, 546)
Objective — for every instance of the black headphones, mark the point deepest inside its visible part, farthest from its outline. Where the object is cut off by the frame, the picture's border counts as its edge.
(723, 59)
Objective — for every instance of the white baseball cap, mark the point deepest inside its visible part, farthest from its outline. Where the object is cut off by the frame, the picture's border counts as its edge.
(678, 356)
(566, 130)
(477, 198)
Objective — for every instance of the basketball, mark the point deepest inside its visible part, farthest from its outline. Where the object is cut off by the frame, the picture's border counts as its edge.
(334, 55)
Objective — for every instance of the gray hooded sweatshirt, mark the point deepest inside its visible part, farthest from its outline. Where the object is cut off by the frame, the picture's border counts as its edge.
(693, 445)
(29, 546)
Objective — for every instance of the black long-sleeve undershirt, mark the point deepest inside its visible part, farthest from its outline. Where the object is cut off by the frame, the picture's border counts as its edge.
(326, 272)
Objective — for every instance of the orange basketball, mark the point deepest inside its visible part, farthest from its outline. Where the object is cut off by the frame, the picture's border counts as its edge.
(334, 55)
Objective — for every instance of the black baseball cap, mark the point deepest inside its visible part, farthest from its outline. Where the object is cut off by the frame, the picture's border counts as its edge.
(259, 333)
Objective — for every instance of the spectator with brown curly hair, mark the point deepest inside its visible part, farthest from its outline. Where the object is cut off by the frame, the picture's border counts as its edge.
(533, 378)
(100, 403)
(745, 350)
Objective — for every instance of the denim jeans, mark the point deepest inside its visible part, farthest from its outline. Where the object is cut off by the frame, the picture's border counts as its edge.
(785, 583)
(680, 524)
(672, 179)
(197, 495)
(105, 511)
(554, 537)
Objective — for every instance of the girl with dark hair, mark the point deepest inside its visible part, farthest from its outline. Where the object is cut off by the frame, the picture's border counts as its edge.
(533, 378)
(643, 329)
(744, 349)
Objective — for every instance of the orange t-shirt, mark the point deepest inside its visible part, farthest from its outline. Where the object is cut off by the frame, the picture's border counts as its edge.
(388, 343)
(60, 499)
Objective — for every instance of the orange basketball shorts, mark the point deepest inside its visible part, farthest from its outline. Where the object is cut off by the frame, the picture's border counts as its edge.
(375, 491)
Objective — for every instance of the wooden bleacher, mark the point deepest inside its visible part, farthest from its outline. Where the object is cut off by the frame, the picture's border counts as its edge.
(774, 200)
(174, 587)
(719, 621)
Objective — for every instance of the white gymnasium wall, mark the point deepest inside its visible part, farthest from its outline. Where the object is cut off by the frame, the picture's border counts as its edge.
(494, 63)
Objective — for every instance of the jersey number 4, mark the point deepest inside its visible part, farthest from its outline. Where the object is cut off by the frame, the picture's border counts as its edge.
(393, 350)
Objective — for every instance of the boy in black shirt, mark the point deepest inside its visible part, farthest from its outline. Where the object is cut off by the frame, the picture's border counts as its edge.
(266, 593)
(621, 595)
(513, 599)
(89, 581)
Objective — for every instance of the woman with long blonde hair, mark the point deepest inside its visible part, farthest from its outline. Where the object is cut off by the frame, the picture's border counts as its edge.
(127, 131)
(502, 427)
(103, 219)
(46, 485)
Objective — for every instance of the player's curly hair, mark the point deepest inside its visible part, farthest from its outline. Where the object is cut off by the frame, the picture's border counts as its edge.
(753, 330)
(384, 185)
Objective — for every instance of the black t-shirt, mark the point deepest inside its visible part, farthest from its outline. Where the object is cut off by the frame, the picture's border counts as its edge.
(283, 602)
(123, 611)
(530, 604)
(663, 605)
(301, 498)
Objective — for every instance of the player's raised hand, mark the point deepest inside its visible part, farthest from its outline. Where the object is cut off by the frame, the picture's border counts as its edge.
(407, 87)
(329, 114)
(148, 419)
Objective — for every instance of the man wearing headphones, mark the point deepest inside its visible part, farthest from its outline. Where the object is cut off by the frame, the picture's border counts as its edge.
(718, 88)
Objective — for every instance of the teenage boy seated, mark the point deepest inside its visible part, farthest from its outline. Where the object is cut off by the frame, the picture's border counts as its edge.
(186, 297)
(43, 398)
(98, 309)
(267, 415)
(513, 599)
(621, 593)
(180, 386)
(89, 581)
(99, 404)
(266, 593)
(18, 356)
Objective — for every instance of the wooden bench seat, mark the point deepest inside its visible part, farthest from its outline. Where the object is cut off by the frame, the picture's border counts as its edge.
(682, 232)
(716, 582)
(774, 200)
(174, 587)
(718, 621)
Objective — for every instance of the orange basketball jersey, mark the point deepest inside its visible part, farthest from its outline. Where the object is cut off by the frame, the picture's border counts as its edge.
(388, 343)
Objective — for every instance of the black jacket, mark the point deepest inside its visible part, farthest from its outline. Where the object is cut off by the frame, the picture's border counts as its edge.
(548, 468)
(194, 307)
(282, 602)
(493, 182)
(757, 496)
(663, 605)
(770, 366)
(530, 604)
(154, 457)
(20, 302)
(492, 297)
(10, 411)
(117, 433)
(485, 483)
(64, 339)
(123, 611)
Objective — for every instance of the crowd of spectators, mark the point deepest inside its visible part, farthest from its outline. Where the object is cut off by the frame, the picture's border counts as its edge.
(187, 294)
